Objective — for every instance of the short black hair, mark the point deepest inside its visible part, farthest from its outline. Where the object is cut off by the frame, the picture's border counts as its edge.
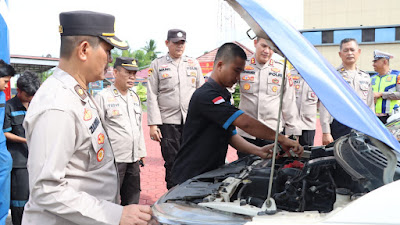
(228, 52)
(6, 69)
(28, 82)
(347, 40)
(68, 44)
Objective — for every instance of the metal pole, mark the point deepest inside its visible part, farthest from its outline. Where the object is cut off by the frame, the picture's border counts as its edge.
(271, 178)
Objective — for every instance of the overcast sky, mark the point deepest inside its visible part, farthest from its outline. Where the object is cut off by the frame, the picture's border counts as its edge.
(33, 24)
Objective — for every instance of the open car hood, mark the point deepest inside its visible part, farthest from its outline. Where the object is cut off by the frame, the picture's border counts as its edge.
(334, 92)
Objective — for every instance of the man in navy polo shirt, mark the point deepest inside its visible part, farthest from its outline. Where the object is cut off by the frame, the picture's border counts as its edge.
(212, 120)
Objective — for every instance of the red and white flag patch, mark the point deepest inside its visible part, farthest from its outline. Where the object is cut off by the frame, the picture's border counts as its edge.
(218, 100)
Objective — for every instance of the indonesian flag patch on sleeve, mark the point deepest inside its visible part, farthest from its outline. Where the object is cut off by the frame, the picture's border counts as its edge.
(218, 100)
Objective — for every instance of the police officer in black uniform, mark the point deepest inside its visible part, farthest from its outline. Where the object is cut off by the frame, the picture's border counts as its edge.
(212, 120)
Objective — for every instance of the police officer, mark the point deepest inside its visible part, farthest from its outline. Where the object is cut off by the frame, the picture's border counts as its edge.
(306, 101)
(260, 85)
(212, 120)
(6, 72)
(72, 175)
(359, 80)
(27, 85)
(173, 79)
(123, 123)
(386, 85)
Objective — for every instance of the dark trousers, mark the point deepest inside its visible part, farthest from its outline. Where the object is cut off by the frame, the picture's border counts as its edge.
(338, 129)
(170, 144)
(307, 138)
(19, 193)
(258, 142)
(383, 119)
(129, 182)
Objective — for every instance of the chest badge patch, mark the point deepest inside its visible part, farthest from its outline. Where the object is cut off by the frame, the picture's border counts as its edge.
(276, 70)
(297, 86)
(100, 139)
(249, 68)
(165, 75)
(193, 80)
(274, 88)
(246, 86)
(388, 79)
(275, 81)
(218, 100)
(87, 114)
(253, 61)
(100, 155)
(115, 112)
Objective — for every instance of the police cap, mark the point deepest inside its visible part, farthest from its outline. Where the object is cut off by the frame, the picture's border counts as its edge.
(379, 54)
(87, 23)
(176, 35)
(127, 63)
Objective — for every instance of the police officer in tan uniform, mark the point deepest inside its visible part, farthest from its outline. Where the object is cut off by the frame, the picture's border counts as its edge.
(357, 79)
(123, 123)
(306, 101)
(72, 174)
(260, 86)
(173, 79)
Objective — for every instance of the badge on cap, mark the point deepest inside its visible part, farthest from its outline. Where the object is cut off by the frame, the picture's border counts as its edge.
(100, 155)
(179, 34)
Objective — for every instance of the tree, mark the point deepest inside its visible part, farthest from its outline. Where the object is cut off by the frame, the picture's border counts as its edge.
(150, 49)
(44, 75)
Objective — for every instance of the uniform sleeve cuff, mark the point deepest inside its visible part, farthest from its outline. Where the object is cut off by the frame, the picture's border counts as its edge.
(7, 129)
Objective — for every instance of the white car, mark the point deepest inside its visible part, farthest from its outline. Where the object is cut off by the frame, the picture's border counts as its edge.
(351, 181)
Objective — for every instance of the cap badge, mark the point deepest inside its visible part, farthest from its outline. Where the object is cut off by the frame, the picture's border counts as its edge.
(60, 29)
(179, 34)
(134, 63)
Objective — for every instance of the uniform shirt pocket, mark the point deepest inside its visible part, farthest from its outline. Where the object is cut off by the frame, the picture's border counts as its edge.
(364, 90)
(311, 97)
(247, 83)
(274, 85)
(192, 78)
(115, 115)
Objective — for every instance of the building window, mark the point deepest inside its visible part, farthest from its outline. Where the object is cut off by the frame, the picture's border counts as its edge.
(397, 34)
(368, 35)
(339, 35)
(313, 37)
(327, 37)
(385, 34)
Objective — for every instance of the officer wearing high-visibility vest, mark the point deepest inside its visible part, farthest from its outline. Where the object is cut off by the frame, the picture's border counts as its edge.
(385, 84)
